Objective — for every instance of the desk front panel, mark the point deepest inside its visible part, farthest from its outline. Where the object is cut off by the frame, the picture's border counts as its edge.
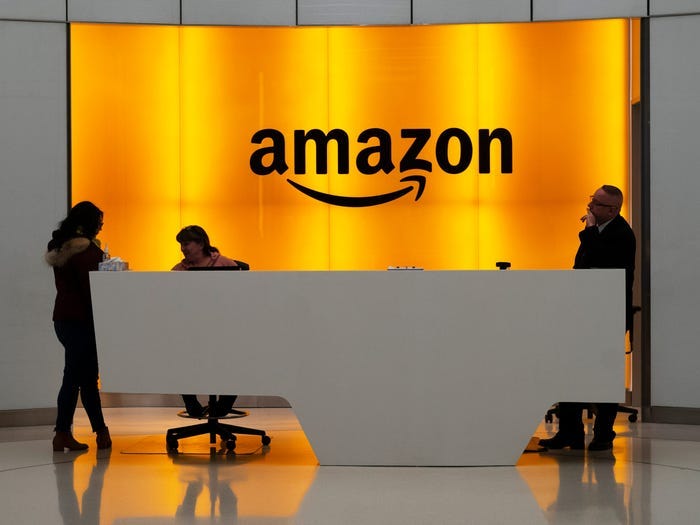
(382, 368)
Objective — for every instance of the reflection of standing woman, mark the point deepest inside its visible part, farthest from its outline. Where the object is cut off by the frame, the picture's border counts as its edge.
(73, 252)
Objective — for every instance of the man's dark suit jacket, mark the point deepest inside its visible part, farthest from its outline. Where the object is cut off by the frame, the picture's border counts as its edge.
(614, 247)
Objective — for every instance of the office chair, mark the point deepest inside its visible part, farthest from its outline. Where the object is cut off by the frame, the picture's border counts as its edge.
(213, 426)
(633, 412)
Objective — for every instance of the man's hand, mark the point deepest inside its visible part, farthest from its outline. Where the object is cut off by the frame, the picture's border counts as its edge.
(589, 219)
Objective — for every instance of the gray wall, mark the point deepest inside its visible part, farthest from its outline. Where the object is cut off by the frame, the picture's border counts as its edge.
(675, 191)
(34, 142)
(33, 167)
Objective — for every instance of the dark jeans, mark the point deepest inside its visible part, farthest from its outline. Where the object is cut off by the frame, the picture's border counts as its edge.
(80, 375)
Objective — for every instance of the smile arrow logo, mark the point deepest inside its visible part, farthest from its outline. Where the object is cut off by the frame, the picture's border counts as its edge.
(360, 202)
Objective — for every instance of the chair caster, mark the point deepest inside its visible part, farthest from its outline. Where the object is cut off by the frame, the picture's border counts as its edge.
(231, 444)
(171, 445)
(632, 418)
(266, 440)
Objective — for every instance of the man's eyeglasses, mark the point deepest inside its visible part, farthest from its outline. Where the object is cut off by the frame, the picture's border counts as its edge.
(600, 204)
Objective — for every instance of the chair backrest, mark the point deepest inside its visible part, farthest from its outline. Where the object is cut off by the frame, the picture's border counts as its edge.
(244, 266)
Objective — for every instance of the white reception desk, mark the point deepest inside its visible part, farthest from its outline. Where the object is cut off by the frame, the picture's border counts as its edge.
(380, 367)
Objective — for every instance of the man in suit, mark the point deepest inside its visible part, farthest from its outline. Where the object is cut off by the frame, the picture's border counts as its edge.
(607, 241)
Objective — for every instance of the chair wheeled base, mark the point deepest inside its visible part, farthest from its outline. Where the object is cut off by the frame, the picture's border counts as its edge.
(214, 428)
(633, 413)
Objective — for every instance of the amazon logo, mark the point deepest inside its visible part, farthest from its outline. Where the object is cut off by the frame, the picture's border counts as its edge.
(378, 156)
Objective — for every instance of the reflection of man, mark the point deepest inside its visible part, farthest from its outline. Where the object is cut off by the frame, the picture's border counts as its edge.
(588, 493)
(607, 241)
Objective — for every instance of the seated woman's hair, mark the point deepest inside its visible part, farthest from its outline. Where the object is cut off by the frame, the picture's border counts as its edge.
(196, 234)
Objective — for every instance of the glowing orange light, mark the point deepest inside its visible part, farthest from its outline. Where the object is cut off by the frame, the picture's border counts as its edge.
(162, 120)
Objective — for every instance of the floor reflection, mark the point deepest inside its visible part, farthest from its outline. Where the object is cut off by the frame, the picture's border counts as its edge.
(237, 489)
(651, 476)
(138, 482)
(88, 511)
(220, 492)
(587, 491)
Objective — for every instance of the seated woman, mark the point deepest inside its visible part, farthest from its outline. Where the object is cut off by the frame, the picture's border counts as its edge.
(198, 252)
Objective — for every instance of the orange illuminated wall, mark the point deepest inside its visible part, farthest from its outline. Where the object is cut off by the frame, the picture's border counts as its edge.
(163, 117)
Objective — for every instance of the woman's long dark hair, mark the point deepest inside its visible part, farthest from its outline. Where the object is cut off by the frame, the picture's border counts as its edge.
(83, 220)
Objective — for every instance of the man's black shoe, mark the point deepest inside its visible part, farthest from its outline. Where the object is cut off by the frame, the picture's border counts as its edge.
(597, 445)
(199, 413)
(558, 442)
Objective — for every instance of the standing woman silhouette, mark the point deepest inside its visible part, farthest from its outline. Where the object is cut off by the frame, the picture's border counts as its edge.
(73, 252)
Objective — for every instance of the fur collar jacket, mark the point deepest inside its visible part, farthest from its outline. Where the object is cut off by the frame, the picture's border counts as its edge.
(72, 264)
(58, 258)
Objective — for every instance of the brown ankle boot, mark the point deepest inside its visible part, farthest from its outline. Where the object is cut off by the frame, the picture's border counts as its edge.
(103, 439)
(65, 440)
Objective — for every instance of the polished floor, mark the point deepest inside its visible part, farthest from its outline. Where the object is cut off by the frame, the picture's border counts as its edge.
(651, 476)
